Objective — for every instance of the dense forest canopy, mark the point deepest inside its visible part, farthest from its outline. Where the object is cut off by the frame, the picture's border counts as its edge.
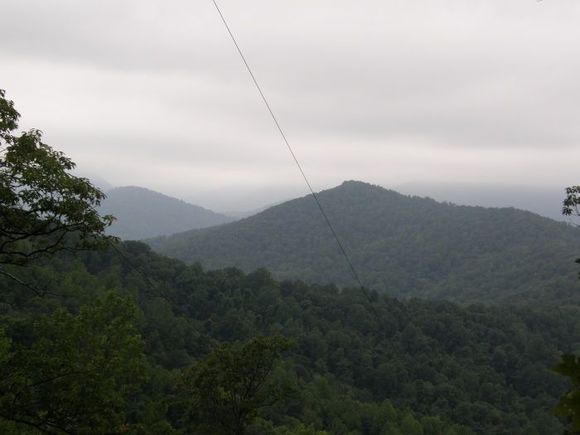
(403, 246)
(360, 363)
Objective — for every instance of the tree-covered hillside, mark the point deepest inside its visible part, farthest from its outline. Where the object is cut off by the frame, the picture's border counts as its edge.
(142, 213)
(360, 363)
(404, 246)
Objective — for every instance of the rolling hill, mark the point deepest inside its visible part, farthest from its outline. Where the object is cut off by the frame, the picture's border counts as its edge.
(401, 245)
(142, 213)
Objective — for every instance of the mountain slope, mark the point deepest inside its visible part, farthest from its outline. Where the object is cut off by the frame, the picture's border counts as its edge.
(405, 246)
(143, 213)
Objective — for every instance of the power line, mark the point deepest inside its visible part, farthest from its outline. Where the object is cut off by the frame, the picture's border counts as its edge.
(314, 195)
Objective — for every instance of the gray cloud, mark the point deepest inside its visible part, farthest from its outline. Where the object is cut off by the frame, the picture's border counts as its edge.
(152, 93)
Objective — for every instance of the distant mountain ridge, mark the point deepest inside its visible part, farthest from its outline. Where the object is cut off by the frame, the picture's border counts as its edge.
(545, 201)
(142, 213)
(405, 246)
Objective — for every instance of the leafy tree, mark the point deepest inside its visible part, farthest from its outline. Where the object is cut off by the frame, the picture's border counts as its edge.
(43, 207)
(230, 385)
(572, 201)
(77, 371)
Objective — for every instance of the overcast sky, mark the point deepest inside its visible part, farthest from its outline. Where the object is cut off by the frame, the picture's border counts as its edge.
(152, 93)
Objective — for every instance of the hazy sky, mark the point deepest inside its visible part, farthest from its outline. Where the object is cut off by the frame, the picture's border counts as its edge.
(152, 93)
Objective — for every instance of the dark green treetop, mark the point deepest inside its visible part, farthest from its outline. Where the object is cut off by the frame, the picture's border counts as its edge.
(231, 384)
(76, 373)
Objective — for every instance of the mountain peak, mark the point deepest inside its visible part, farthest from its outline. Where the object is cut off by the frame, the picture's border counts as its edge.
(363, 186)
(356, 184)
(406, 246)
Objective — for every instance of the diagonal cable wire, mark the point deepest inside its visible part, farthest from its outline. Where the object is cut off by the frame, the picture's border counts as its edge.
(314, 195)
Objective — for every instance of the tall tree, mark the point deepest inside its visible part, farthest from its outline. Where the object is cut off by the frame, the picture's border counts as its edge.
(44, 208)
(231, 384)
(65, 372)
(572, 201)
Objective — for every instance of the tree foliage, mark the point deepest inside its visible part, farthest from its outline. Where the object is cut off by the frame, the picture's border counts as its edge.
(43, 207)
(572, 201)
(231, 384)
(73, 373)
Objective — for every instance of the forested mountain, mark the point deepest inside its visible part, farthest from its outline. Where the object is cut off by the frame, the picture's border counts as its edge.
(143, 213)
(401, 245)
(360, 363)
